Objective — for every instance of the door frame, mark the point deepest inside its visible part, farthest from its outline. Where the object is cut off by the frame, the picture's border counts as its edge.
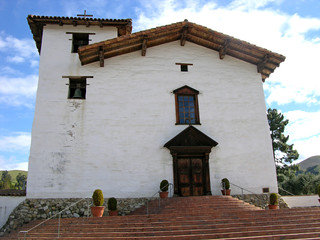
(191, 142)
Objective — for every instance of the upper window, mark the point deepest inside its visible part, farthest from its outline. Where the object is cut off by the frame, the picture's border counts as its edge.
(187, 108)
(184, 66)
(78, 40)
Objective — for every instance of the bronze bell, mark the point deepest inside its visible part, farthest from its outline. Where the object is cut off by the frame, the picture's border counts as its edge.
(77, 92)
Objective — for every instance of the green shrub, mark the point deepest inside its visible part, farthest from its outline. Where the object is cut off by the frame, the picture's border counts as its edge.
(97, 198)
(164, 185)
(112, 204)
(225, 183)
(273, 199)
(319, 190)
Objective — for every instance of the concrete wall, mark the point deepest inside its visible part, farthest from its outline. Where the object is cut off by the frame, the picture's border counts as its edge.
(114, 139)
(7, 205)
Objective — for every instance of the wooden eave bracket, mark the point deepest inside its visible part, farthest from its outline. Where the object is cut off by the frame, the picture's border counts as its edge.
(263, 63)
(101, 56)
(223, 50)
(184, 34)
(144, 45)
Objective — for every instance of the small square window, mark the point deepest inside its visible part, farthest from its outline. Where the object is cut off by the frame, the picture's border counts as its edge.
(265, 190)
(184, 68)
(78, 40)
(77, 88)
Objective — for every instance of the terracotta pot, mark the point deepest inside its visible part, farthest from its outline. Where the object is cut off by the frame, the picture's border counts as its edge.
(226, 192)
(97, 211)
(163, 194)
(113, 212)
(273, 206)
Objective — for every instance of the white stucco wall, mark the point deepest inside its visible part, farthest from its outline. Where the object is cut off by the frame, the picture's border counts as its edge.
(7, 205)
(114, 139)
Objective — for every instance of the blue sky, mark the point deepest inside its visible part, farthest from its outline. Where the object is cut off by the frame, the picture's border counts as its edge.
(288, 27)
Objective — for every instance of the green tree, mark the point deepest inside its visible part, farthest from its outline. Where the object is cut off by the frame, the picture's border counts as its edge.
(21, 181)
(5, 180)
(282, 151)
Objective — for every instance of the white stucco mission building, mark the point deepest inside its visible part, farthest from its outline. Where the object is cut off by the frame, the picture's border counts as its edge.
(121, 111)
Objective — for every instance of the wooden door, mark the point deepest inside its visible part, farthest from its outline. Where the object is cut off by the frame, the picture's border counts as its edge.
(190, 176)
(196, 176)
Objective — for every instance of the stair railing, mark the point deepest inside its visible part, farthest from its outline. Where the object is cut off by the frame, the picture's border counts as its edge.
(286, 191)
(59, 213)
(170, 186)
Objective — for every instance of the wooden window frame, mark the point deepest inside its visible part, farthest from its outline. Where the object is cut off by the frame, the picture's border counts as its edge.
(187, 91)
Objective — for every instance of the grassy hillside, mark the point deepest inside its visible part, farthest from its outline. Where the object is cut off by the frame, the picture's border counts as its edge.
(310, 162)
(14, 174)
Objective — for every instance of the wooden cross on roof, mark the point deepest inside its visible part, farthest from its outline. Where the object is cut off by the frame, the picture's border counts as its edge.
(85, 14)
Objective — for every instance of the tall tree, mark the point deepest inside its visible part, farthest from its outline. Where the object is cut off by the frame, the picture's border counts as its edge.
(282, 151)
(21, 181)
(5, 180)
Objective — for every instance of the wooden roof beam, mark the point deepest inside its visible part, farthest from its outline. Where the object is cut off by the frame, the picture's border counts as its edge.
(144, 45)
(101, 56)
(184, 34)
(223, 50)
(263, 63)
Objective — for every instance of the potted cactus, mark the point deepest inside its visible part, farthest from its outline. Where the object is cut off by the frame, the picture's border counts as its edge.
(225, 187)
(97, 209)
(112, 206)
(164, 185)
(273, 201)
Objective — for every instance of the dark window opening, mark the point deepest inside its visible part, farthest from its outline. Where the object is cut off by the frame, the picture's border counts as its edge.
(77, 88)
(78, 40)
(265, 190)
(184, 68)
(187, 109)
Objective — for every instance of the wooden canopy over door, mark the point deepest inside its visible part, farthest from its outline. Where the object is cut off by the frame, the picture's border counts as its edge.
(190, 151)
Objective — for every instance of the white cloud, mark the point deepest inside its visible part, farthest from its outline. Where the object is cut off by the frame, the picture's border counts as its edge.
(308, 147)
(11, 164)
(17, 50)
(14, 151)
(303, 125)
(18, 91)
(304, 132)
(19, 141)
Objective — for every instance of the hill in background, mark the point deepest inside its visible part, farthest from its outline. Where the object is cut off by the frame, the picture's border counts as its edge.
(311, 164)
(14, 174)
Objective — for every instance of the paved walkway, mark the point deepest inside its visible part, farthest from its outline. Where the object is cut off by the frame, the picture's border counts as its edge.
(302, 201)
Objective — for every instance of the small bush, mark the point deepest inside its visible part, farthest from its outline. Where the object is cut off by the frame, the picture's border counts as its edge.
(225, 183)
(97, 198)
(164, 185)
(273, 199)
(112, 204)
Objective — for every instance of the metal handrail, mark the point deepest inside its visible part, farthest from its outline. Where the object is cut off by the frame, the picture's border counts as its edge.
(59, 213)
(169, 185)
(286, 191)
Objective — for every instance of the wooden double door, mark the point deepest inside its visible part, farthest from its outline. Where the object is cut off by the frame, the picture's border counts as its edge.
(191, 176)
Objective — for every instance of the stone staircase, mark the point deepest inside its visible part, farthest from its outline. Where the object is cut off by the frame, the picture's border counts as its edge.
(207, 217)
